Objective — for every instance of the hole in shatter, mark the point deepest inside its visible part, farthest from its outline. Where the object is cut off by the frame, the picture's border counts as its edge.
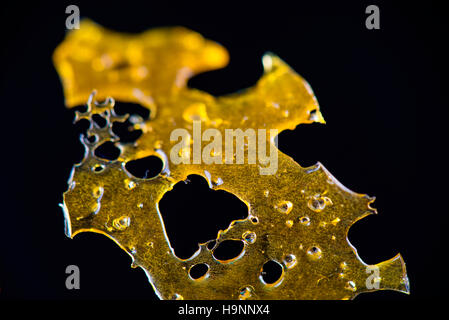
(124, 130)
(255, 220)
(145, 168)
(93, 138)
(271, 272)
(211, 244)
(98, 168)
(193, 213)
(228, 250)
(80, 108)
(80, 128)
(99, 120)
(314, 250)
(122, 108)
(288, 140)
(198, 271)
(108, 151)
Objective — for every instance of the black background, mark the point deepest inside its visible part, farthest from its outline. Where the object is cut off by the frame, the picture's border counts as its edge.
(380, 92)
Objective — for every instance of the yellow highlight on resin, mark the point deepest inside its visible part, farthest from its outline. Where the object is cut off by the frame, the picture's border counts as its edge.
(298, 217)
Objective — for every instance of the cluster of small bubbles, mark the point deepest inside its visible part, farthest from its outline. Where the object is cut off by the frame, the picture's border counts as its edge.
(350, 285)
(290, 261)
(305, 220)
(249, 237)
(92, 139)
(289, 223)
(317, 203)
(121, 223)
(245, 293)
(98, 168)
(130, 184)
(314, 253)
(177, 296)
(284, 207)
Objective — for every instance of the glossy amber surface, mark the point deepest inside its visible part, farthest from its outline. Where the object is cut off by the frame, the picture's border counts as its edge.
(297, 217)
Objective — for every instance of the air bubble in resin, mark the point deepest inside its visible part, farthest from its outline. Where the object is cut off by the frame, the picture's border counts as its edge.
(98, 168)
(249, 237)
(317, 203)
(246, 293)
(121, 223)
(253, 219)
(305, 221)
(350, 285)
(217, 182)
(97, 192)
(284, 207)
(290, 261)
(314, 253)
(129, 184)
(177, 296)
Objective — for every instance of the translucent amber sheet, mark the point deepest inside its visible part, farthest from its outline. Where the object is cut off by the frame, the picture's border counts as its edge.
(299, 217)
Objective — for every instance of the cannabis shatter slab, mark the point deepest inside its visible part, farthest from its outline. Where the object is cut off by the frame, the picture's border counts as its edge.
(298, 217)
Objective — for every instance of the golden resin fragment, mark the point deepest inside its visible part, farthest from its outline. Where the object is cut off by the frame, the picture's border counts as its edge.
(297, 217)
